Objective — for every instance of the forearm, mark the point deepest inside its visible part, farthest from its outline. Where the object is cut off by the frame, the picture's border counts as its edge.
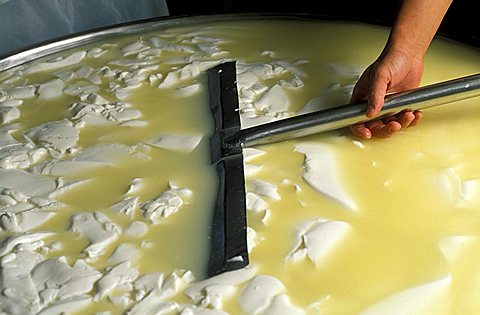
(416, 25)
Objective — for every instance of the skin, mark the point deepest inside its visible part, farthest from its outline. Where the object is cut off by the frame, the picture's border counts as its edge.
(399, 66)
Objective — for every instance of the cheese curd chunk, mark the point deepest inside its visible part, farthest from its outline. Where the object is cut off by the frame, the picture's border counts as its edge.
(212, 292)
(51, 89)
(20, 156)
(8, 114)
(61, 62)
(316, 240)
(59, 137)
(321, 173)
(26, 183)
(97, 229)
(165, 205)
(182, 143)
(258, 293)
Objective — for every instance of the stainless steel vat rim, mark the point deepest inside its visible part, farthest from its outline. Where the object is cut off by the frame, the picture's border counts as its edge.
(74, 40)
(77, 39)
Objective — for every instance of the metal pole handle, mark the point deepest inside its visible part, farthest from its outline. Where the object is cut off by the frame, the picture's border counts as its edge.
(347, 115)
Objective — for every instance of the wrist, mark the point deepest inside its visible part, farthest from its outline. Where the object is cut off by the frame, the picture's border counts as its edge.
(407, 45)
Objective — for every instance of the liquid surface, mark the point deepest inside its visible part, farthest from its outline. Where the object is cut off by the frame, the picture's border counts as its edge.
(416, 219)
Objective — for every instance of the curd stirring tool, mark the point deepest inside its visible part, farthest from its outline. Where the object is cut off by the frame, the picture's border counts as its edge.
(229, 232)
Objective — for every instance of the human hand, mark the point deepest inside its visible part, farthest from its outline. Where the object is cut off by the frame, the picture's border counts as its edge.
(394, 71)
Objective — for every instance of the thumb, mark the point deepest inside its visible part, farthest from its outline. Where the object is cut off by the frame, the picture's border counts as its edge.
(376, 97)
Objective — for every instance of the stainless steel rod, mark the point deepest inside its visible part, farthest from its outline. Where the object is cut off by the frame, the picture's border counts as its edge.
(347, 115)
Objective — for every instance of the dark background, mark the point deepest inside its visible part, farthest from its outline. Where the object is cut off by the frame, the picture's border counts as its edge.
(461, 22)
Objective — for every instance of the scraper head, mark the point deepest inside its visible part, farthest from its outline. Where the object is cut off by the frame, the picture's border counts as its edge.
(229, 232)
